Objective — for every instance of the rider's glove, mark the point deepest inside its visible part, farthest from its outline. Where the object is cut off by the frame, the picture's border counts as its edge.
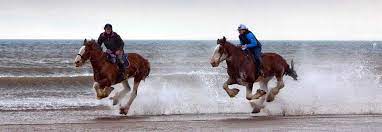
(243, 47)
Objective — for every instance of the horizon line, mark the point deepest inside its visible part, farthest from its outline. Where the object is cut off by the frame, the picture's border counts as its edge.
(196, 39)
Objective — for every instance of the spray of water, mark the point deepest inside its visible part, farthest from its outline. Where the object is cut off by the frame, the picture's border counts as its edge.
(331, 88)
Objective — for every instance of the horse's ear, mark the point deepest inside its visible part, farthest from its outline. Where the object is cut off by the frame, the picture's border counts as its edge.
(84, 42)
(224, 39)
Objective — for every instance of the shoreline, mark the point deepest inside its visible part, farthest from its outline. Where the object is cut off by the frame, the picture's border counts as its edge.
(209, 122)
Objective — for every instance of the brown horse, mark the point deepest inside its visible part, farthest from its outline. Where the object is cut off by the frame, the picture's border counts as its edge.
(106, 73)
(241, 70)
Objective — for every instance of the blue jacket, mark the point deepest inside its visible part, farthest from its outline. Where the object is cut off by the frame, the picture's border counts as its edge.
(250, 40)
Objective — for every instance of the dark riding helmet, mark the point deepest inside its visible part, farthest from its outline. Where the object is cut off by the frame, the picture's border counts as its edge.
(108, 26)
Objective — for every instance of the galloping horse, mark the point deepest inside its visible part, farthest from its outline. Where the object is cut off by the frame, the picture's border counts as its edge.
(241, 70)
(106, 73)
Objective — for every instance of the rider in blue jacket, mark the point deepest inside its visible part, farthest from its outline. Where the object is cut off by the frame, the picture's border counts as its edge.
(249, 41)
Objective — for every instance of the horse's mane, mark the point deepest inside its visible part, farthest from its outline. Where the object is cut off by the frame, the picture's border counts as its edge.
(233, 46)
(93, 43)
(227, 42)
(96, 47)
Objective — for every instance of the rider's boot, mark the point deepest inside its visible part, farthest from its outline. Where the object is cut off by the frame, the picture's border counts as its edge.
(121, 65)
(259, 71)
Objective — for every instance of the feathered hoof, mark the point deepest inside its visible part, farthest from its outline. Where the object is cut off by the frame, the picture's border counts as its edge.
(122, 111)
(259, 93)
(270, 98)
(256, 110)
(233, 92)
(103, 93)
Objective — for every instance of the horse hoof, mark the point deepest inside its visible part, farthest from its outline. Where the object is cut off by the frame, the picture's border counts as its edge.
(235, 91)
(259, 93)
(256, 110)
(270, 98)
(115, 101)
(101, 96)
(122, 111)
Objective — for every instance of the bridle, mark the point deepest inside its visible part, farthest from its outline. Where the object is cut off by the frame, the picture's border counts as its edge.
(82, 58)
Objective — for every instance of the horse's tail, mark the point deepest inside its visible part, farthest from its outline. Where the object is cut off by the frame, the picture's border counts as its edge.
(147, 69)
(290, 71)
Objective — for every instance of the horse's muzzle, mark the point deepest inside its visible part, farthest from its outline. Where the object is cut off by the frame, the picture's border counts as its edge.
(214, 64)
(78, 63)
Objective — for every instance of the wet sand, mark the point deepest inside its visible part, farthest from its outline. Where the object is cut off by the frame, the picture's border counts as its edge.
(106, 120)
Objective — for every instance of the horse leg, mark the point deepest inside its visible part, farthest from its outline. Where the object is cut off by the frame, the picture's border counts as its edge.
(263, 88)
(104, 92)
(274, 91)
(103, 88)
(97, 89)
(257, 105)
(125, 109)
(101, 91)
(249, 94)
(231, 92)
(119, 95)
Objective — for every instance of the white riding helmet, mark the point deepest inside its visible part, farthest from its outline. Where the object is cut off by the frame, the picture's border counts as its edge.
(241, 27)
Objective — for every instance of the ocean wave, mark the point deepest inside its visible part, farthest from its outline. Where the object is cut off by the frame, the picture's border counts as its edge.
(44, 72)
(334, 78)
(39, 72)
(336, 90)
(11, 82)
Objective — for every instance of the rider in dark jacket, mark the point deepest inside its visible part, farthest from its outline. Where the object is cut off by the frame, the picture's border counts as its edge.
(249, 41)
(113, 43)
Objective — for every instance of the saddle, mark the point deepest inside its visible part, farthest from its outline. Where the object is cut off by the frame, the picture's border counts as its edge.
(249, 55)
(112, 58)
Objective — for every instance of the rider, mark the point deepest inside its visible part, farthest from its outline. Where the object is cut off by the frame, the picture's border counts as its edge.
(250, 42)
(114, 44)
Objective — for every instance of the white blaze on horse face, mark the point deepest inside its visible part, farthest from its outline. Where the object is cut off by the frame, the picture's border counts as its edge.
(217, 57)
(78, 60)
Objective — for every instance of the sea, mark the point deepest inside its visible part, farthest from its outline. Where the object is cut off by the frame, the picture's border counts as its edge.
(335, 77)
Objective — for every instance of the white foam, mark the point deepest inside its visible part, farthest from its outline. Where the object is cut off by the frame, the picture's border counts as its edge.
(342, 88)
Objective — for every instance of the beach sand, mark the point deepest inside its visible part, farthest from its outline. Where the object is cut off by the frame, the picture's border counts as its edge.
(105, 120)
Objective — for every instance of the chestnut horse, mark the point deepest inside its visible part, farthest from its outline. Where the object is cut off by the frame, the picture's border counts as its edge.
(106, 73)
(241, 70)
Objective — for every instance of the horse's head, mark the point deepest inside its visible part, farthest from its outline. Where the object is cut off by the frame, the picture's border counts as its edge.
(220, 53)
(84, 52)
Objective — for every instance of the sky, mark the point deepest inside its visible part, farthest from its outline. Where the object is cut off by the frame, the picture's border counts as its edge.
(192, 19)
